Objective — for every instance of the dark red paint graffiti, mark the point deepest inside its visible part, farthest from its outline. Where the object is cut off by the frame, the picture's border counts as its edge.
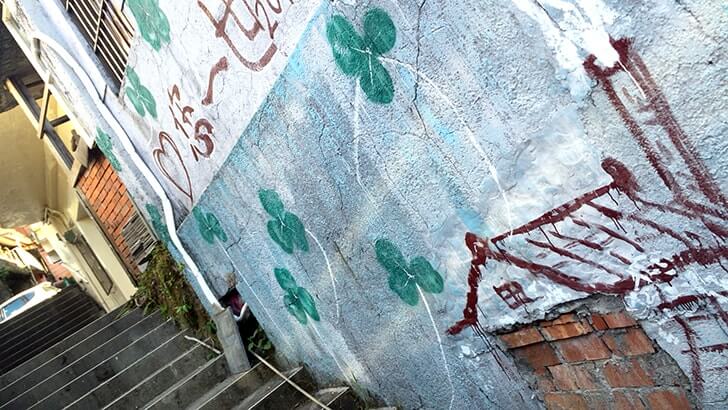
(262, 15)
(597, 232)
(221, 65)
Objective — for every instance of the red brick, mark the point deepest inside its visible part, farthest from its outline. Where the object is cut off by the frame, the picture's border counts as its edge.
(582, 348)
(565, 401)
(566, 330)
(626, 400)
(633, 342)
(522, 337)
(618, 320)
(545, 385)
(584, 376)
(564, 377)
(537, 355)
(598, 322)
(626, 374)
(668, 400)
(567, 318)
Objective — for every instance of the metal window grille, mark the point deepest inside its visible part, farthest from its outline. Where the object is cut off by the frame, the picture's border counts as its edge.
(108, 32)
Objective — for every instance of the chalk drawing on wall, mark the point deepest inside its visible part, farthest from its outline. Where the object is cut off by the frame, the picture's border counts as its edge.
(196, 131)
(152, 22)
(103, 141)
(358, 56)
(260, 35)
(286, 229)
(297, 300)
(613, 239)
(139, 95)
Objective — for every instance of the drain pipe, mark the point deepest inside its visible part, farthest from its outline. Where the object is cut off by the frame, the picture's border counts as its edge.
(136, 158)
(228, 333)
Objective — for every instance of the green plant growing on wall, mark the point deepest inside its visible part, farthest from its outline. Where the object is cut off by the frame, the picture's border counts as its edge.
(359, 56)
(162, 286)
(159, 227)
(286, 229)
(298, 301)
(103, 141)
(209, 226)
(404, 278)
(140, 96)
(259, 343)
(152, 22)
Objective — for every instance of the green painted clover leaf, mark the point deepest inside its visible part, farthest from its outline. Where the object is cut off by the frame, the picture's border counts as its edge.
(298, 301)
(139, 95)
(359, 56)
(103, 141)
(286, 229)
(403, 278)
(209, 225)
(152, 22)
(159, 227)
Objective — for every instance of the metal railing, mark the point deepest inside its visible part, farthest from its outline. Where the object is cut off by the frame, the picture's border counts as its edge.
(108, 31)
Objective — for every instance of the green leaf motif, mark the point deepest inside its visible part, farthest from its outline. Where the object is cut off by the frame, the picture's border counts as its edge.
(360, 57)
(347, 46)
(298, 300)
(376, 83)
(286, 229)
(294, 307)
(404, 279)
(307, 303)
(285, 279)
(140, 96)
(209, 226)
(103, 141)
(426, 276)
(271, 202)
(159, 227)
(379, 31)
(152, 22)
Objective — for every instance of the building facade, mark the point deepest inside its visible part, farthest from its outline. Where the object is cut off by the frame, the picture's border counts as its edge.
(444, 204)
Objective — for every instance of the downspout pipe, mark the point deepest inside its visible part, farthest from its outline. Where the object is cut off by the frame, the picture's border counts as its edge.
(38, 38)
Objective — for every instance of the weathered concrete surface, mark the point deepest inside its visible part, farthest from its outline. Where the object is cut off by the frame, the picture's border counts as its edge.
(322, 172)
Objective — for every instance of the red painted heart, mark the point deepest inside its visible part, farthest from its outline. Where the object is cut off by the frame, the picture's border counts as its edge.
(162, 152)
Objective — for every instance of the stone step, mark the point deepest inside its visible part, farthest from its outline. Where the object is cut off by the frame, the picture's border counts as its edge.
(37, 340)
(40, 310)
(192, 387)
(164, 378)
(84, 355)
(100, 364)
(234, 389)
(77, 397)
(66, 344)
(276, 393)
(30, 325)
(336, 398)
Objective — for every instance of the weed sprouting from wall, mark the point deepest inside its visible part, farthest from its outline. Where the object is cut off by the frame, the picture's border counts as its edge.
(163, 286)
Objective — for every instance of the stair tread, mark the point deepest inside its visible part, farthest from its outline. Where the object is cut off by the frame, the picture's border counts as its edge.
(185, 380)
(262, 392)
(220, 387)
(325, 396)
(196, 349)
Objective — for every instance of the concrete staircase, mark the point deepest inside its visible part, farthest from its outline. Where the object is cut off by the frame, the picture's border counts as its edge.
(133, 361)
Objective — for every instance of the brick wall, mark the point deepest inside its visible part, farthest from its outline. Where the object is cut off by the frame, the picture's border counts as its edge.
(589, 360)
(109, 200)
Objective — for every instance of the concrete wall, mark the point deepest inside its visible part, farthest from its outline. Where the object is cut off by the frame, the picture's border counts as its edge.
(389, 182)
(22, 159)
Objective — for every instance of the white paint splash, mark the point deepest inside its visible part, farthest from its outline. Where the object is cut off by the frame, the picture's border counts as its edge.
(574, 29)
(439, 342)
(331, 271)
